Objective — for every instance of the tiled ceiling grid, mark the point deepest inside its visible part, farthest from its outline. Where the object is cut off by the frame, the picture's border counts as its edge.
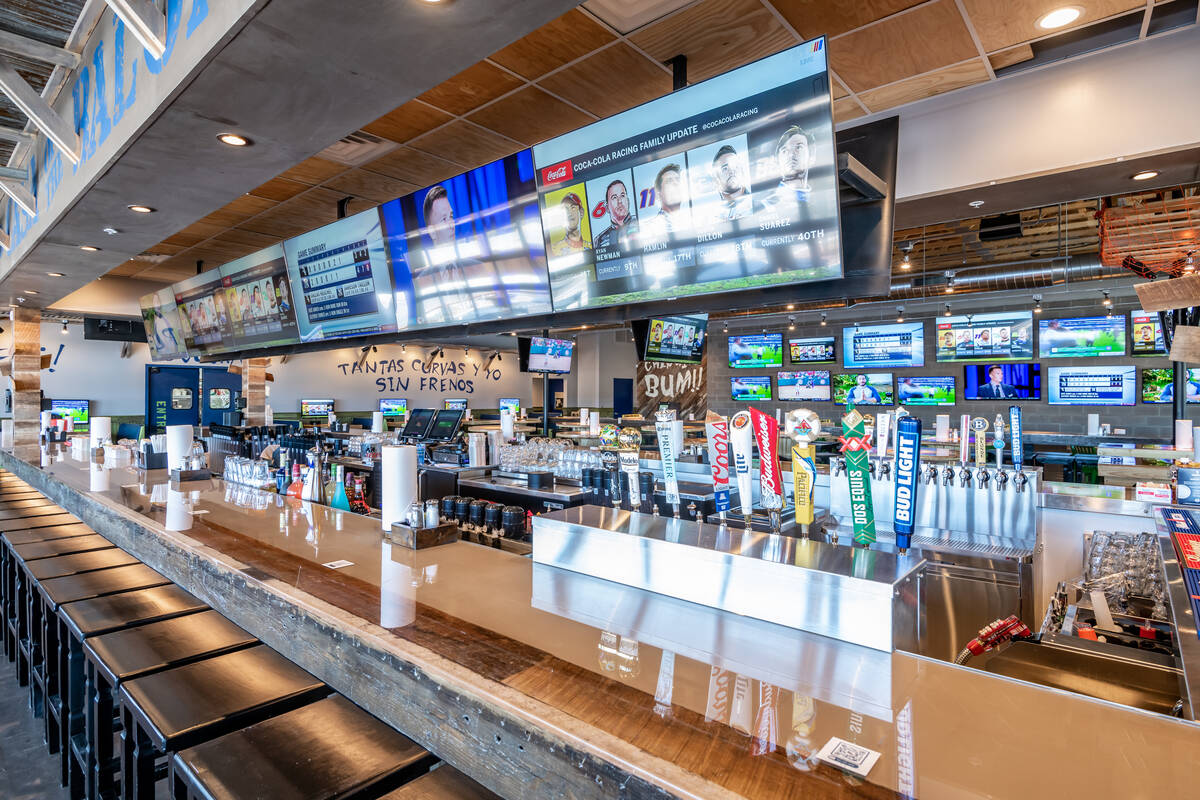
(579, 67)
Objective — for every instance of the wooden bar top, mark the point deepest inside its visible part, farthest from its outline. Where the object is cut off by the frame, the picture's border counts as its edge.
(539, 682)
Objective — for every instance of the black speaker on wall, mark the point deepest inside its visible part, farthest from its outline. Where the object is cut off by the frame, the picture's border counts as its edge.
(113, 330)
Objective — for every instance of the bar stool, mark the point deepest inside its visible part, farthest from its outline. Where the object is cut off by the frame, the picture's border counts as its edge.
(444, 781)
(8, 572)
(87, 618)
(328, 749)
(184, 706)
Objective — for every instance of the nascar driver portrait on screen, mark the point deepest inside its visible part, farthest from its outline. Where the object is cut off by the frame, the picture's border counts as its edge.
(619, 235)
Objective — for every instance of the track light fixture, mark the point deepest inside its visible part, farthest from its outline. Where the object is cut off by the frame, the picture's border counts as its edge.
(823, 323)
(899, 313)
(947, 310)
(1107, 301)
(1037, 304)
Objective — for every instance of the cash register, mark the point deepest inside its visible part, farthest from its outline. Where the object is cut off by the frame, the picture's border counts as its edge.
(435, 433)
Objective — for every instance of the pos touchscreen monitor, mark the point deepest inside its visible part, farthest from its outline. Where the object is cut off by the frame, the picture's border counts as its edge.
(418, 423)
(445, 425)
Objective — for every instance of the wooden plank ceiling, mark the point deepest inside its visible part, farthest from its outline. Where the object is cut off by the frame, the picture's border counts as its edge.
(607, 56)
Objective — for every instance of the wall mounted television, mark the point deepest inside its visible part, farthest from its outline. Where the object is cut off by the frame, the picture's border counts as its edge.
(1146, 334)
(316, 408)
(1092, 385)
(79, 411)
(1006, 336)
(900, 344)
(393, 406)
(1074, 337)
(1158, 385)
(813, 384)
(539, 354)
(926, 390)
(1002, 381)
(750, 388)
(757, 351)
(677, 339)
(863, 389)
(811, 351)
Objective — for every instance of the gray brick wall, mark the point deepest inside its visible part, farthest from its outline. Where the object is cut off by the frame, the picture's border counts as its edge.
(1138, 420)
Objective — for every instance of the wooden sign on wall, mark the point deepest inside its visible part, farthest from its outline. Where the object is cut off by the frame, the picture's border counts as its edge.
(684, 386)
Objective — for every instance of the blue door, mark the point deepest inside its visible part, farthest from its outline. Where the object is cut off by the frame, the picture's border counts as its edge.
(172, 396)
(556, 389)
(220, 394)
(622, 396)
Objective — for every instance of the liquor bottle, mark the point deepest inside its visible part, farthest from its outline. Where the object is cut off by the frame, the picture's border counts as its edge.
(330, 478)
(282, 475)
(339, 499)
(297, 485)
(358, 503)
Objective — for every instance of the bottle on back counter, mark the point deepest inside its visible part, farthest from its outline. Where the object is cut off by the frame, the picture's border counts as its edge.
(358, 503)
(339, 499)
(297, 485)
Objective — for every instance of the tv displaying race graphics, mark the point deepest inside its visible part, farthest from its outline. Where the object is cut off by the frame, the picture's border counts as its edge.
(727, 184)
(1092, 386)
(1002, 382)
(926, 390)
(1158, 385)
(679, 339)
(316, 408)
(200, 320)
(863, 389)
(340, 279)
(1146, 332)
(811, 351)
(164, 333)
(548, 355)
(393, 406)
(469, 249)
(810, 384)
(254, 302)
(1081, 336)
(750, 388)
(756, 352)
(898, 345)
(992, 337)
(78, 411)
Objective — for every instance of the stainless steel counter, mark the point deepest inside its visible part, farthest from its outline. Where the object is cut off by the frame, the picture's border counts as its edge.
(560, 493)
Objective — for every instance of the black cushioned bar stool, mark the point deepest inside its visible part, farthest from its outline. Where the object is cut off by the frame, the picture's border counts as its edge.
(8, 573)
(442, 783)
(96, 617)
(53, 592)
(329, 749)
(184, 706)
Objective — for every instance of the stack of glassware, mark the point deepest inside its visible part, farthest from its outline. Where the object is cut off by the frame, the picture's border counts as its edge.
(256, 473)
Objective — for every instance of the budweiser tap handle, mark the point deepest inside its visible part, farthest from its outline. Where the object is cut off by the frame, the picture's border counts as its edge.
(770, 476)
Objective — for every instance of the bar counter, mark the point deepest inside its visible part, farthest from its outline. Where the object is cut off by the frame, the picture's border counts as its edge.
(540, 682)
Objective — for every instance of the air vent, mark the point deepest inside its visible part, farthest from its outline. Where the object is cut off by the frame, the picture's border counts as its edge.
(1001, 226)
(358, 148)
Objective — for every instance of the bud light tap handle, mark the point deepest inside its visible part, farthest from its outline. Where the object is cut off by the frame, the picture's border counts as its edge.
(908, 466)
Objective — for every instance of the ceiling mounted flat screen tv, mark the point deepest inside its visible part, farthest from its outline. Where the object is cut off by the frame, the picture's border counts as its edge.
(1092, 385)
(757, 351)
(539, 354)
(898, 345)
(470, 248)
(256, 303)
(1146, 333)
(202, 314)
(812, 384)
(341, 280)
(750, 388)
(863, 389)
(926, 390)
(729, 184)
(677, 339)
(1002, 382)
(1082, 336)
(811, 351)
(160, 316)
(986, 337)
(1158, 385)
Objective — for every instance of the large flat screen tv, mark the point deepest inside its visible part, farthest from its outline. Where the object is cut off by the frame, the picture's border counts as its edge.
(756, 352)
(1082, 336)
(393, 406)
(863, 389)
(340, 279)
(79, 411)
(898, 345)
(1158, 385)
(469, 249)
(728, 184)
(812, 384)
(1092, 385)
(1146, 333)
(677, 339)
(811, 351)
(926, 390)
(750, 388)
(257, 302)
(1002, 382)
(160, 316)
(539, 354)
(202, 314)
(316, 408)
(1006, 336)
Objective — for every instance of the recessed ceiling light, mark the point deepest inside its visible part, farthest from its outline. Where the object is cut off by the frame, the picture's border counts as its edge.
(89, 248)
(233, 139)
(32, 291)
(55, 274)
(141, 209)
(975, 203)
(1145, 175)
(1059, 17)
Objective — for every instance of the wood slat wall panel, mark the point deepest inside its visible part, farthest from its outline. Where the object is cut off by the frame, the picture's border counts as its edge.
(922, 86)
(560, 41)
(530, 116)
(471, 88)
(589, 83)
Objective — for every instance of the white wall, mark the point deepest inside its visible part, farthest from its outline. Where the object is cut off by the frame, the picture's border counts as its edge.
(600, 357)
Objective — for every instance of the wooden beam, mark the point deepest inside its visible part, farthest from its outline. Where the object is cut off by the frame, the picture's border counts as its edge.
(14, 135)
(39, 111)
(1170, 294)
(146, 21)
(37, 51)
(5, 242)
(20, 194)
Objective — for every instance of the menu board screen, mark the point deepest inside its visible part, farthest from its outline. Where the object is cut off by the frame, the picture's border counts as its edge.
(1092, 386)
(810, 384)
(926, 390)
(750, 388)
(1082, 336)
(470, 248)
(1158, 385)
(991, 337)
(899, 345)
(164, 333)
(863, 389)
(257, 301)
(811, 351)
(725, 185)
(758, 351)
(1147, 334)
(341, 281)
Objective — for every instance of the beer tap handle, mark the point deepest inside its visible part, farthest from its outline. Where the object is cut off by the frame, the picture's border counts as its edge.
(1019, 481)
(885, 470)
(948, 475)
(1001, 480)
(692, 509)
(964, 477)
(982, 475)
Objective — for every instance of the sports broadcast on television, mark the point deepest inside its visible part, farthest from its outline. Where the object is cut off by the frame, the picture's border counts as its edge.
(1082, 336)
(898, 345)
(810, 384)
(760, 350)
(863, 389)
(926, 390)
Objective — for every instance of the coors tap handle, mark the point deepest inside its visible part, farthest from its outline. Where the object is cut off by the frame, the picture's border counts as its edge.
(908, 466)
(803, 426)
(770, 476)
(741, 441)
(666, 451)
(716, 428)
(856, 445)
